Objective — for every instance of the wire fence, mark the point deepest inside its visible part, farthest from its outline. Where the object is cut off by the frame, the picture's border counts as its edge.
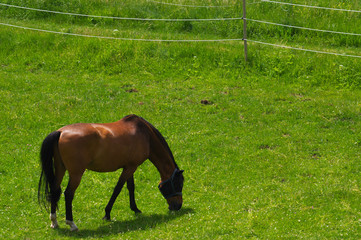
(185, 20)
(304, 28)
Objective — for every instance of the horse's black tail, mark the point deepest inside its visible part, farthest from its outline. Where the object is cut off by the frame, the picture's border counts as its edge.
(46, 191)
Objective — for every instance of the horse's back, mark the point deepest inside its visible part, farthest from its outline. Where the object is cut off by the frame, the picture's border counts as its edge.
(103, 147)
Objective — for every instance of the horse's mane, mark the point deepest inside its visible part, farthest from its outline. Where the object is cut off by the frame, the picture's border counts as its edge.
(150, 127)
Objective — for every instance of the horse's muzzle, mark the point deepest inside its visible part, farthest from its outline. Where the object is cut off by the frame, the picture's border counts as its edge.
(175, 206)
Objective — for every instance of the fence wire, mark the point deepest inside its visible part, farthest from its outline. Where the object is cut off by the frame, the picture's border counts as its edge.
(303, 49)
(176, 40)
(121, 18)
(185, 5)
(303, 28)
(310, 6)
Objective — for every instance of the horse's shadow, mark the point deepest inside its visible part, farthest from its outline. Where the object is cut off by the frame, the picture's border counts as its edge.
(140, 223)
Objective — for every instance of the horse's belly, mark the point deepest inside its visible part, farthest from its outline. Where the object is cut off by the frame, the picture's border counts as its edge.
(109, 160)
(98, 166)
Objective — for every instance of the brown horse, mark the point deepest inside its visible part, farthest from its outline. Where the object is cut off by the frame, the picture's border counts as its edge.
(107, 147)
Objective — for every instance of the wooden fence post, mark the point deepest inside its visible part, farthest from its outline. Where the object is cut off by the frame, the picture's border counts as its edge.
(245, 30)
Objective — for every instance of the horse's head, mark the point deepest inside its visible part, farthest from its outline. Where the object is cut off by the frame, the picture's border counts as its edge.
(172, 190)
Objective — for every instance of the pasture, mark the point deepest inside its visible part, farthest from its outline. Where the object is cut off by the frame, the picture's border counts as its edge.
(270, 148)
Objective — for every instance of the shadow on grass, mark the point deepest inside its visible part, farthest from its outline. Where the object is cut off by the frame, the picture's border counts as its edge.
(140, 223)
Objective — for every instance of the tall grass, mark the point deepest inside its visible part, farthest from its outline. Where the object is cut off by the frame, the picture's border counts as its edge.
(322, 19)
(105, 55)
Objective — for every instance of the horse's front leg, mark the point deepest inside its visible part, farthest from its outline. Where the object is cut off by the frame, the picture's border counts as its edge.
(131, 187)
(126, 174)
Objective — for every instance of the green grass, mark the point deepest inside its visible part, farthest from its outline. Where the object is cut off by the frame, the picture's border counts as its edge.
(275, 155)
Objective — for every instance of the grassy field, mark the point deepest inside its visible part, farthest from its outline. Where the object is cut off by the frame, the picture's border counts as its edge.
(273, 154)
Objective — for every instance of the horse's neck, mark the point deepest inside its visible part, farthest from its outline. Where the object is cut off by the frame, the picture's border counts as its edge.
(161, 159)
(159, 154)
(164, 171)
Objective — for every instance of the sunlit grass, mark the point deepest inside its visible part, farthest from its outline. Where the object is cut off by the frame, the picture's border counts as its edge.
(270, 147)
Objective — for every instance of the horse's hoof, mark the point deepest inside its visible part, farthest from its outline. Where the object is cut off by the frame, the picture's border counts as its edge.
(54, 222)
(54, 225)
(73, 227)
(137, 211)
(106, 218)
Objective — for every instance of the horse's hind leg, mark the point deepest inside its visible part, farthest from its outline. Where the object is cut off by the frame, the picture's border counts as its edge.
(73, 184)
(54, 205)
(55, 196)
(131, 187)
